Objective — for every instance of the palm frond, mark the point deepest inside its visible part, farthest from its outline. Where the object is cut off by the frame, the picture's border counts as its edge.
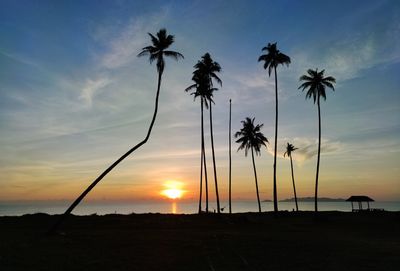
(154, 40)
(250, 136)
(173, 54)
(316, 84)
(157, 51)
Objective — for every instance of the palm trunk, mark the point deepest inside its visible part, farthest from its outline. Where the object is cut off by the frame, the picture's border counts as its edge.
(98, 179)
(255, 177)
(276, 141)
(318, 157)
(201, 162)
(204, 154)
(214, 164)
(294, 186)
(230, 157)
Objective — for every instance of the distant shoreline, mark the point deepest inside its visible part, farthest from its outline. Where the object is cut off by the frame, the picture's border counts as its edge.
(309, 199)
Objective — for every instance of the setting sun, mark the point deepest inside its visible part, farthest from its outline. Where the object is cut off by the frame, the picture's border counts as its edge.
(173, 193)
(173, 190)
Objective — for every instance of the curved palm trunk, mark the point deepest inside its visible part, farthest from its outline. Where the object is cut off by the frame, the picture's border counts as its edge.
(294, 186)
(318, 157)
(201, 161)
(98, 179)
(214, 164)
(230, 157)
(255, 177)
(203, 150)
(276, 141)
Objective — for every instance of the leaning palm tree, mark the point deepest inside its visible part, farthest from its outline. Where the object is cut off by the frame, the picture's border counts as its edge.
(156, 52)
(289, 149)
(201, 90)
(316, 84)
(207, 68)
(250, 137)
(272, 59)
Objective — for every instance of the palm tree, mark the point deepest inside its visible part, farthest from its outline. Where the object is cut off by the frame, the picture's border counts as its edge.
(316, 83)
(157, 51)
(271, 61)
(250, 137)
(201, 90)
(230, 156)
(289, 149)
(207, 69)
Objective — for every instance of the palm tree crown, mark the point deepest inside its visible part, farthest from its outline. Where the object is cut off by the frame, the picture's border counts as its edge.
(157, 51)
(201, 88)
(289, 149)
(208, 68)
(273, 58)
(250, 136)
(316, 84)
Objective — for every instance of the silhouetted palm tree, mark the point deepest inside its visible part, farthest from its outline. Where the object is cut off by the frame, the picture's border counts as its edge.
(316, 83)
(202, 90)
(250, 137)
(272, 59)
(207, 69)
(230, 156)
(156, 52)
(289, 149)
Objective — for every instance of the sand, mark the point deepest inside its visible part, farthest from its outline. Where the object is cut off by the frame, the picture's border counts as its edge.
(250, 241)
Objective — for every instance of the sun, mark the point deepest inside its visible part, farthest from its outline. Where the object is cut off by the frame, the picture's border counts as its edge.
(173, 193)
(173, 190)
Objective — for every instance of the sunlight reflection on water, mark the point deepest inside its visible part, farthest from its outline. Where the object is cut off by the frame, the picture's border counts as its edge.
(173, 208)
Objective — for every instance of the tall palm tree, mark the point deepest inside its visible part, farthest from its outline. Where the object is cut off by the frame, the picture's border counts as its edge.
(230, 156)
(272, 59)
(157, 51)
(207, 68)
(201, 90)
(250, 137)
(316, 84)
(289, 149)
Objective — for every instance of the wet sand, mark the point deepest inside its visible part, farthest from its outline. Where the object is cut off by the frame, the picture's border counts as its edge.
(249, 241)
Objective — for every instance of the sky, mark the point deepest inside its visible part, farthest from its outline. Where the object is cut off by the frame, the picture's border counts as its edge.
(74, 97)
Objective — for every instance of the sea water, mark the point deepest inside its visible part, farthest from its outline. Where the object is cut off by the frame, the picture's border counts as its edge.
(172, 207)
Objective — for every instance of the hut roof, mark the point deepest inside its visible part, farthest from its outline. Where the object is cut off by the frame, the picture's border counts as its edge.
(359, 198)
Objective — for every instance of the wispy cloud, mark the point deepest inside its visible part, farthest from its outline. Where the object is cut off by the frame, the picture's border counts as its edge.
(257, 79)
(307, 148)
(349, 55)
(21, 59)
(92, 87)
(123, 49)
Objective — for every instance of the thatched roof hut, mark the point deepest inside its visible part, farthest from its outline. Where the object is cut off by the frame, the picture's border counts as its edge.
(359, 200)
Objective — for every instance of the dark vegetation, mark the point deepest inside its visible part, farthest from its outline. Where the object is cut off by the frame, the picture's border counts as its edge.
(248, 241)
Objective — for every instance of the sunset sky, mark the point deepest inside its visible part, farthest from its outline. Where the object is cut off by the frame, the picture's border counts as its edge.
(74, 97)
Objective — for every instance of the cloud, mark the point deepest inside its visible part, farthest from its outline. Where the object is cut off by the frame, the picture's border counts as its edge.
(123, 49)
(91, 87)
(256, 80)
(349, 55)
(307, 148)
(21, 59)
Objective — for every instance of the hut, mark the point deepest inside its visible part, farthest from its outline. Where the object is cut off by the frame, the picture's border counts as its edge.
(359, 200)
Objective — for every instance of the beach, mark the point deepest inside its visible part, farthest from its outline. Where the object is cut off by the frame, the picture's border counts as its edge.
(244, 241)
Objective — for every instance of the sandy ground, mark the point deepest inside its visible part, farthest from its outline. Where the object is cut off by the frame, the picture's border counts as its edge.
(251, 241)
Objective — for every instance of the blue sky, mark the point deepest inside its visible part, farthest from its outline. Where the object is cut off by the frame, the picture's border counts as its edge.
(74, 96)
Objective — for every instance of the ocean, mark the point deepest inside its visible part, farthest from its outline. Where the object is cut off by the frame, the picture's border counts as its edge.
(171, 207)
